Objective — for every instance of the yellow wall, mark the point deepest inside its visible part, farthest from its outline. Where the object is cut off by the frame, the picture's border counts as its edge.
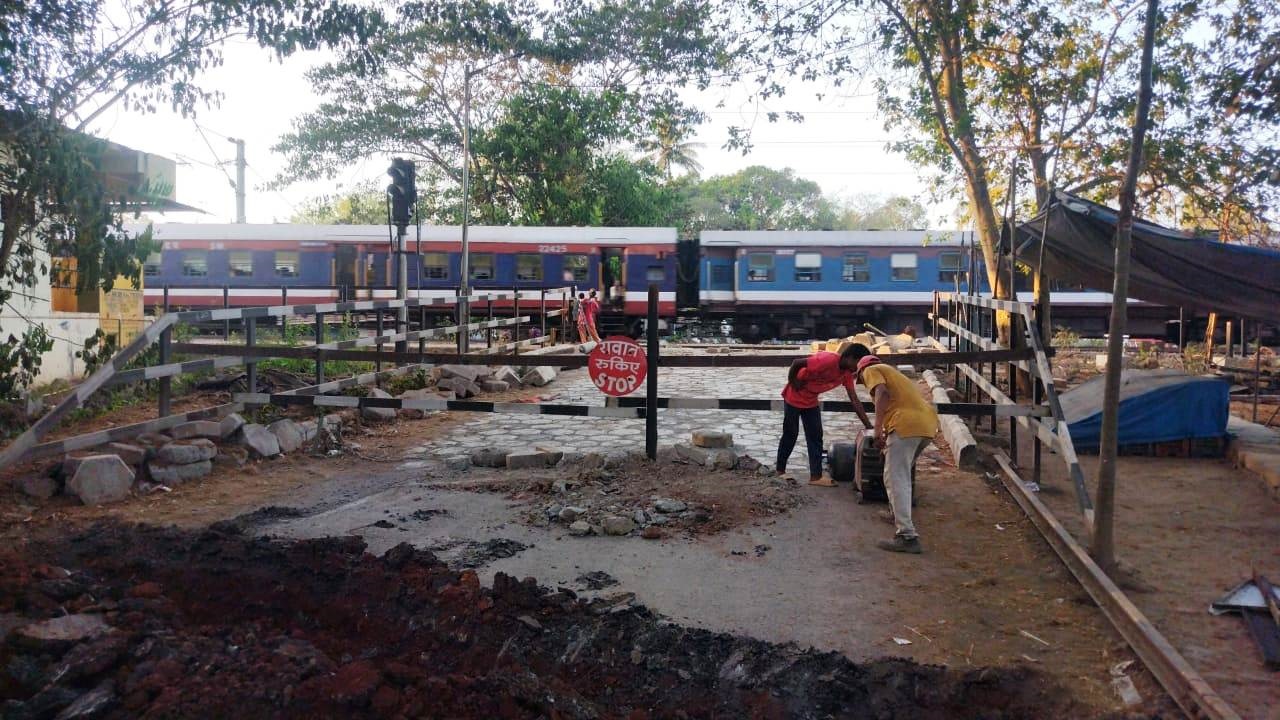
(119, 311)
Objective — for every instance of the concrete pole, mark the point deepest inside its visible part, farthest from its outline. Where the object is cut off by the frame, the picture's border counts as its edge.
(464, 282)
(240, 165)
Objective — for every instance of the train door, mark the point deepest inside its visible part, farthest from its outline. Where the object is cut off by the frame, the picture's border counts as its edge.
(613, 276)
(344, 269)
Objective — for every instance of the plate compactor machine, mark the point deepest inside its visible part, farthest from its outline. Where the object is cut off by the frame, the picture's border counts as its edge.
(862, 463)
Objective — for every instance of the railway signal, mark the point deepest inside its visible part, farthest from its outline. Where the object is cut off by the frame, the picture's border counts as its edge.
(403, 190)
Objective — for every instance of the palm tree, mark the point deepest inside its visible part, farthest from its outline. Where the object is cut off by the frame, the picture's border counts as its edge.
(668, 148)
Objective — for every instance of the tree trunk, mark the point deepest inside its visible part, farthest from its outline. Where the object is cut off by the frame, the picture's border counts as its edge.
(1103, 531)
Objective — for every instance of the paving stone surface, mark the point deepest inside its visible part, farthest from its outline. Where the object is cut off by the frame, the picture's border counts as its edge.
(754, 432)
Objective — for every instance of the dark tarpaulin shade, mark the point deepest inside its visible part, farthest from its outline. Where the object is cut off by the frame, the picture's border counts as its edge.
(1169, 267)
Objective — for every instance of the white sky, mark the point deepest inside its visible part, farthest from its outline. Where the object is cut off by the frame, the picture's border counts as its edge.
(841, 144)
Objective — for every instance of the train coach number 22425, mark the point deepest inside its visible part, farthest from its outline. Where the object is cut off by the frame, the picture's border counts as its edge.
(552, 248)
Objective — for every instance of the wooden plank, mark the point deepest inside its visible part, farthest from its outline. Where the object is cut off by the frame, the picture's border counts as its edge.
(986, 302)
(982, 342)
(1187, 688)
(1044, 432)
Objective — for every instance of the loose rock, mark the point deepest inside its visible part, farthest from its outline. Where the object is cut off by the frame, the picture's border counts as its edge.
(540, 375)
(465, 372)
(507, 375)
(377, 414)
(490, 457)
(524, 459)
(58, 634)
(230, 425)
(260, 441)
(131, 454)
(669, 506)
(651, 533)
(42, 487)
(494, 386)
(287, 434)
(197, 429)
(185, 452)
(101, 479)
(178, 474)
(571, 513)
(617, 525)
(580, 528)
(712, 439)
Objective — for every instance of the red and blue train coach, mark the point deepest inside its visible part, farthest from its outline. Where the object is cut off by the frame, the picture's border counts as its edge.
(204, 265)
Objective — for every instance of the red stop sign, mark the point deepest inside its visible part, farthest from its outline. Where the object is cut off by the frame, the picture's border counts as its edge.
(617, 365)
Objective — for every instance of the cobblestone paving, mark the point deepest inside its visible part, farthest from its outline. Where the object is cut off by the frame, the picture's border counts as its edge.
(756, 432)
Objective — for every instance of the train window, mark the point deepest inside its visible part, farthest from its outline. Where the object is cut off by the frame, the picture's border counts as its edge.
(151, 268)
(528, 266)
(241, 263)
(482, 266)
(195, 264)
(856, 268)
(721, 275)
(808, 267)
(948, 266)
(286, 263)
(655, 274)
(760, 267)
(903, 266)
(575, 268)
(435, 266)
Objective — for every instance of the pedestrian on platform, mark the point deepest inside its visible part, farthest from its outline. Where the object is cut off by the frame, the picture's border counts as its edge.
(905, 425)
(806, 381)
(591, 312)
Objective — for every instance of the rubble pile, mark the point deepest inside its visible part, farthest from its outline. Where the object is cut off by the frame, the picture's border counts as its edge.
(126, 621)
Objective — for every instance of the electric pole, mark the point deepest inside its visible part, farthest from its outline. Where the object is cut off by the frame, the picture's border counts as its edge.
(240, 164)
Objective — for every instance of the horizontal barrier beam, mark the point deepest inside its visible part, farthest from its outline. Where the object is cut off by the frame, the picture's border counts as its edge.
(197, 316)
(577, 361)
(125, 432)
(965, 409)
(516, 408)
(528, 342)
(421, 334)
(158, 371)
(986, 302)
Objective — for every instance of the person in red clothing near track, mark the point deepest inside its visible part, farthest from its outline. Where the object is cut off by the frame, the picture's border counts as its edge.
(809, 378)
(590, 311)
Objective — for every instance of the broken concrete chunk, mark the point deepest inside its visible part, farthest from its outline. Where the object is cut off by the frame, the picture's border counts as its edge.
(418, 394)
(178, 474)
(465, 372)
(58, 634)
(197, 429)
(553, 453)
(712, 439)
(101, 479)
(131, 454)
(692, 454)
(287, 434)
(494, 386)
(669, 506)
(490, 457)
(230, 425)
(153, 439)
(185, 452)
(461, 387)
(507, 375)
(618, 525)
(376, 414)
(260, 441)
(540, 375)
(524, 459)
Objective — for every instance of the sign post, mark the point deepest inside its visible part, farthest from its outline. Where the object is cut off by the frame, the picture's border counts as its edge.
(617, 365)
(651, 398)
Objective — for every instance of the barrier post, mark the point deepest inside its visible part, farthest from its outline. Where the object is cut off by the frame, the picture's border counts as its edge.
(319, 353)
(226, 303)
(284, 300)
(542, 308)
(422, 327)
(1012, 372)
(651, 389)
(250, 339)
(488, 332)
(377, 364)
(515, 350)
(166, 384)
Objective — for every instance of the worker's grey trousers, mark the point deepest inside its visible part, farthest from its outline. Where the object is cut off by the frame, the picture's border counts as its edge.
(900, 457)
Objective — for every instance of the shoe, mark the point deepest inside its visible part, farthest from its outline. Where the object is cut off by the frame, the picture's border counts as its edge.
(901, 545)
(822, 481)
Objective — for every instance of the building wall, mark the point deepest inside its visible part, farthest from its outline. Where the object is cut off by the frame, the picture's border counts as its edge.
(69, 330)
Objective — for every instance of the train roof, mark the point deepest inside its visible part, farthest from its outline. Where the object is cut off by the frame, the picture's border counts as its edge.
(430, 233)
(831, 238)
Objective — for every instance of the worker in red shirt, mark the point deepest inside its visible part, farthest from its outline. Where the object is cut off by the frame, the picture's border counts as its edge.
(809, 378)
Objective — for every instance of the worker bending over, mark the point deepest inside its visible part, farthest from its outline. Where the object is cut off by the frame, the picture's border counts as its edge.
(809, 378)
(904, 425)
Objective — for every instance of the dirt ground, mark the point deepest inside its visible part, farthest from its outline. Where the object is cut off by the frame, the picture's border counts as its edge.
(997, 624)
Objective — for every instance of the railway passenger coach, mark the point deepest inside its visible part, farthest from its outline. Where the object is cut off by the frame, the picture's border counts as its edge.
(209, 264)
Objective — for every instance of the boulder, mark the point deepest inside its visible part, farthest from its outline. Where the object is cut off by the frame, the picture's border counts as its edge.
(580, 528)
(101, 479)
(308, 430)
(465, 372)
(494, 386)
(693, 454)
(37, 486)
(185, 452)
(377, 414)
(230, 425)
(723, 459)
(490, 457)
(507, 375)
(540, 375)
(131, 454)
(529, 458)
(712, 439)
(260, 441)
(287, 434)
(618, 525)
(232, 456)
(197, 429)
(71, 462)
(571, 513)
(178, 474)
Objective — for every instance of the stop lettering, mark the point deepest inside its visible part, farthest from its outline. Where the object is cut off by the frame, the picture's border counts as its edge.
(617, 365)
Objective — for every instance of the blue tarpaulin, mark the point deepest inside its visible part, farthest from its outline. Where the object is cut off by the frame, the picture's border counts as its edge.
(1155, 406)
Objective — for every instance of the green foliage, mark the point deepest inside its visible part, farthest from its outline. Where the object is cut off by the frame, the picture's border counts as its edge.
(20, 360)
(97, 351)
(760, 198)
(1148, 356)
(1195, 360)
(1065, 337)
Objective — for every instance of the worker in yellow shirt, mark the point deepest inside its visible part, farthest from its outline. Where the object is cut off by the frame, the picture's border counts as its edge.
(904, 426)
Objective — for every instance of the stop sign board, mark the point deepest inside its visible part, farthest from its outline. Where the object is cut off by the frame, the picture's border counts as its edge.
(617, 365)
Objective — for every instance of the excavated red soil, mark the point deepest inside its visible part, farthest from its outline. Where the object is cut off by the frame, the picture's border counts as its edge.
(220, 624)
